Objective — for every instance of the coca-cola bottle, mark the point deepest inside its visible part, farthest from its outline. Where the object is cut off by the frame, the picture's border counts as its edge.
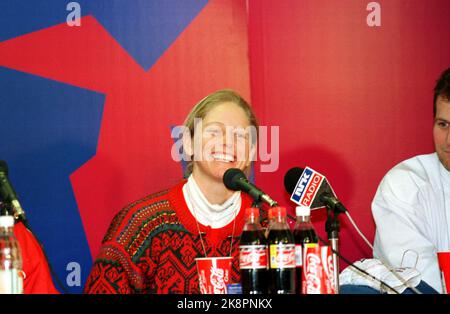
(270, 220)
(253, 255)
(304, 232)
(281, 255)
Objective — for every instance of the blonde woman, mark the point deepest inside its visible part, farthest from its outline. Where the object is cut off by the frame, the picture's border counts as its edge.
(152, 244)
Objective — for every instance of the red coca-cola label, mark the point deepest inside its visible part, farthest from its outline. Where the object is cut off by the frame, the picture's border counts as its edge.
(214, 274)
(282, 256)
(218, 279)
(313, 282)
(328, 269)
(298, 255)
(253, 257)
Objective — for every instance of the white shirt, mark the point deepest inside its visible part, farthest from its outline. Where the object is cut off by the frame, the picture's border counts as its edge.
(214, 215)
(411, 209)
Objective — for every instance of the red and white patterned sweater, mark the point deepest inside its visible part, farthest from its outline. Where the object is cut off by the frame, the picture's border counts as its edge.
(152, 244)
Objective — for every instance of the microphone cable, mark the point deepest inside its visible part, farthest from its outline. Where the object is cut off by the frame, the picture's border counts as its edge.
(359, 269)
(290, 184)
(373, 278)
(385, 263)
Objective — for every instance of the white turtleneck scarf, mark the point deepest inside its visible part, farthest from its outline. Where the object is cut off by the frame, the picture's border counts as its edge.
(214, 215)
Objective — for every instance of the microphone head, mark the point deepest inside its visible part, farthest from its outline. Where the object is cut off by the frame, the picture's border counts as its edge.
(231, 177)
(3, 167)
(291, 178)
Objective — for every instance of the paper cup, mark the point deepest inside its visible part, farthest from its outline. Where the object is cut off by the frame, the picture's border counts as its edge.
(444, 265)
(214, 273)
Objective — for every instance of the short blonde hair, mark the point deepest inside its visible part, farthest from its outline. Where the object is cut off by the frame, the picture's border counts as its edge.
(204, 106)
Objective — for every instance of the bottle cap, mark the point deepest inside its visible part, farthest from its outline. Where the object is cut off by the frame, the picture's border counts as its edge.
(6, 221)
(252, 211)
(302, 211)
(270, 214)
(279, 211)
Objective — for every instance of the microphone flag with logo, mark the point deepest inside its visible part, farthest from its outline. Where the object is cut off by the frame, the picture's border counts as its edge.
(306, 186)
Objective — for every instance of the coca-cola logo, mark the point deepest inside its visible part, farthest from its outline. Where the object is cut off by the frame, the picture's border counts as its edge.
(286, 258)
(282, 256)
(218, 279)
(313, 276)
(330, 273)
(328, 269)
(312, 263)
(313, 284)
(253, 258)
(329, 266)
(202, 282)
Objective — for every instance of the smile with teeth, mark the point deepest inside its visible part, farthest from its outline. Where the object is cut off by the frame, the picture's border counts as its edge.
(223, 157)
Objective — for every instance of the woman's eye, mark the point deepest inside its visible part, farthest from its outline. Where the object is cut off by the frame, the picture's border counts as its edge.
(442, 124)
(213, 132)
(241, 135)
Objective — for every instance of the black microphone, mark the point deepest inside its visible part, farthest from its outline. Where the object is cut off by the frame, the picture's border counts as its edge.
(324, 197)
(8, 194)
(234, 179)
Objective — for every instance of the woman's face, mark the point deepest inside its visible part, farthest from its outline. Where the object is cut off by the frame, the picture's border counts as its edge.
(225, 141)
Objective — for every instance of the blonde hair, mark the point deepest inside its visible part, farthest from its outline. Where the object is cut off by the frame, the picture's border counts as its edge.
(204, 106)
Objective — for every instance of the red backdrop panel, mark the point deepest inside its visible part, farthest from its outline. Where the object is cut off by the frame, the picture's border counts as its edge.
(351, 100)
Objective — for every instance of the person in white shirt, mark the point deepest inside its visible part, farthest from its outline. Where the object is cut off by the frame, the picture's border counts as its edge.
(411, 207)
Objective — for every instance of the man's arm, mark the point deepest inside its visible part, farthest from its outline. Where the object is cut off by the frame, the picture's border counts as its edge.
(401, 226)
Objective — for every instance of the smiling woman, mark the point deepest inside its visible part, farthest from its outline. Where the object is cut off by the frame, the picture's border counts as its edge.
(221, 126)
(222, 135)
(152, 244)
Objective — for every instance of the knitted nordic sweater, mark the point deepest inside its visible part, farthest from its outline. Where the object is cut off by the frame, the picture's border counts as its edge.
(152, 244)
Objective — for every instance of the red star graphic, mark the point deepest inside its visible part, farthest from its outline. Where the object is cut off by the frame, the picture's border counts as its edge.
(133, 154)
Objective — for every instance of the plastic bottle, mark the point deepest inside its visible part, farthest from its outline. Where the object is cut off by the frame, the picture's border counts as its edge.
(281, 255)
(304, 232)
(11, 281)
(253, 258)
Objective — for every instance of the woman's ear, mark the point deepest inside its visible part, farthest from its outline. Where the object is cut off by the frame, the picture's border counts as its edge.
(187, 143)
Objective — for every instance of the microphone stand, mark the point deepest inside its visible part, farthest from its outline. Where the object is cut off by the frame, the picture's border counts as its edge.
(332, 227)
(257, 204)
